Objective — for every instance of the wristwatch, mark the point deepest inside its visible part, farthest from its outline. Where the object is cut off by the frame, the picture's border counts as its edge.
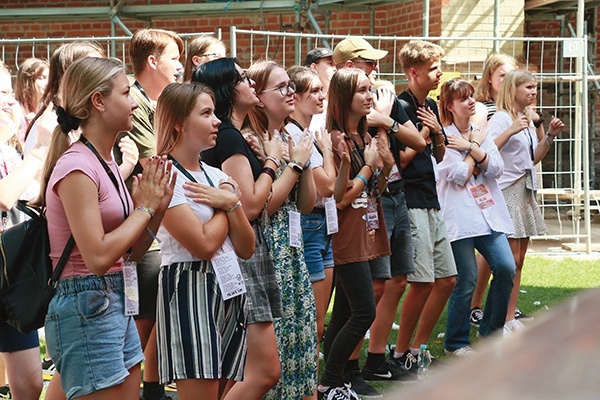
(394, 128)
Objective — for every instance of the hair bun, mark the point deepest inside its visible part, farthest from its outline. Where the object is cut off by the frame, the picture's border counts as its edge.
(66, 121)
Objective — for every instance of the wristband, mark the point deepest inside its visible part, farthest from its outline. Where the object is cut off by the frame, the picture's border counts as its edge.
(475, 142)
(152, 235)
(146, 209)
(370, 167)
(268, 171)
(327, 149)
(295, 167)
(483, 159)
(234, 207)
(301, 164)
(275, 161)
(230, 184)
(548, 136)
(362, 178)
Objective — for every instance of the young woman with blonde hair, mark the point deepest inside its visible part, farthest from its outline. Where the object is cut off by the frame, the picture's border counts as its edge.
(90, 330)
(519, 134)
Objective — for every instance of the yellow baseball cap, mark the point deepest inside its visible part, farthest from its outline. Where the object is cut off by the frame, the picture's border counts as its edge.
(354, 47)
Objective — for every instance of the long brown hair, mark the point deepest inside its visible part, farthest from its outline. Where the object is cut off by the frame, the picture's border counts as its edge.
(81, 80)
(341, 92)
(25, 90)
(173, 107)
(60, 60)
(197, 47)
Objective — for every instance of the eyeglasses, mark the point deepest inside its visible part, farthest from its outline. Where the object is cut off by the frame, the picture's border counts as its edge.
(210, 55)
(284, 89)
(245, 77)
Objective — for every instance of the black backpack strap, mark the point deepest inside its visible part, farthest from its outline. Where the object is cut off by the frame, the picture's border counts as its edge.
(22, 206)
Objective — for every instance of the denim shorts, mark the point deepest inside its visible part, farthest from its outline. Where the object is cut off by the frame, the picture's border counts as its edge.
(318, 253)
(92, 342)
(397, 223)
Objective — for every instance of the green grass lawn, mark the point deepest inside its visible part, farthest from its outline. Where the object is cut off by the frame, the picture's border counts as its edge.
(546, 282)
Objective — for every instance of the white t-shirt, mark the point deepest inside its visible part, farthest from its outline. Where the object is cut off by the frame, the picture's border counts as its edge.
(170, 249)
(316, 159)
(516, 152)
(463, 216)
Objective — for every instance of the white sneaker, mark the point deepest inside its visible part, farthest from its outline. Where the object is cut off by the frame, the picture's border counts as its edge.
(462, 352)
(513, 326)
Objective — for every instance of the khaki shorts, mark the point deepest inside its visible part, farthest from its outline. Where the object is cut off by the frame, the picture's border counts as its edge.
(432, 251)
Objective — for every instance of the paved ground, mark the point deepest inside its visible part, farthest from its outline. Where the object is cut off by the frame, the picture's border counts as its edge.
(567, 246)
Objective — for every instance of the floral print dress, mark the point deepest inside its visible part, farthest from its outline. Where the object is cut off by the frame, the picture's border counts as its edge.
(296, 331)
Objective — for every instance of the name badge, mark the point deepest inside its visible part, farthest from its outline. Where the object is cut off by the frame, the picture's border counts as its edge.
(394, 174)
(295, 229)
(482, 196)
(228, 272)
(331, 217)
(132, 297)
(372, 215)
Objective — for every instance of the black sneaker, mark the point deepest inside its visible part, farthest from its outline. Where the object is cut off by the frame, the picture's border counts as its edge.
(521, 316)
(337, 393)
(355, 381)
(48, 367)
(5, 392)
(407, 360)
(476, 316)
(388, 371)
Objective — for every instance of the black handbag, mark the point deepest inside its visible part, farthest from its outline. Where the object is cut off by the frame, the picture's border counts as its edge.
(27, 283)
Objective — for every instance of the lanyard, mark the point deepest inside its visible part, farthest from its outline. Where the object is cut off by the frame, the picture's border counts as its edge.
(530, 139)
(293, 121)
(186, 172)
(111, 175)
(142, 91)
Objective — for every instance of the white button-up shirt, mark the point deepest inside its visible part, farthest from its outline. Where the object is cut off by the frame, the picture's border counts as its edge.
(463, 217)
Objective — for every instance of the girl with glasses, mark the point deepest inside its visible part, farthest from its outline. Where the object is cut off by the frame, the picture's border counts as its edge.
(201, 50)
(519, 134)
(235, 96)
(293, 193)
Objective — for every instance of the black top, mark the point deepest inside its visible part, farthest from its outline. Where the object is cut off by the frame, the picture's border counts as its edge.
(230, 142)
(418, 175)
(397, 114)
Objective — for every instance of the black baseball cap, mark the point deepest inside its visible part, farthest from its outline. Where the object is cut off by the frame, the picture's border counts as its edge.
(316, 54)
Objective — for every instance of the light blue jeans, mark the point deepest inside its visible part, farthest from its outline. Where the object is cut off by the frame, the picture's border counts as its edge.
(496, 250)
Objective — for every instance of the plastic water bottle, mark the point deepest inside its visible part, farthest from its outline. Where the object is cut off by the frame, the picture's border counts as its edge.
(424, 360)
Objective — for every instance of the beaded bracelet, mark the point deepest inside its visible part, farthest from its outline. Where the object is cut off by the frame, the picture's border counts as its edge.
(146, 209)
(152, 235)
